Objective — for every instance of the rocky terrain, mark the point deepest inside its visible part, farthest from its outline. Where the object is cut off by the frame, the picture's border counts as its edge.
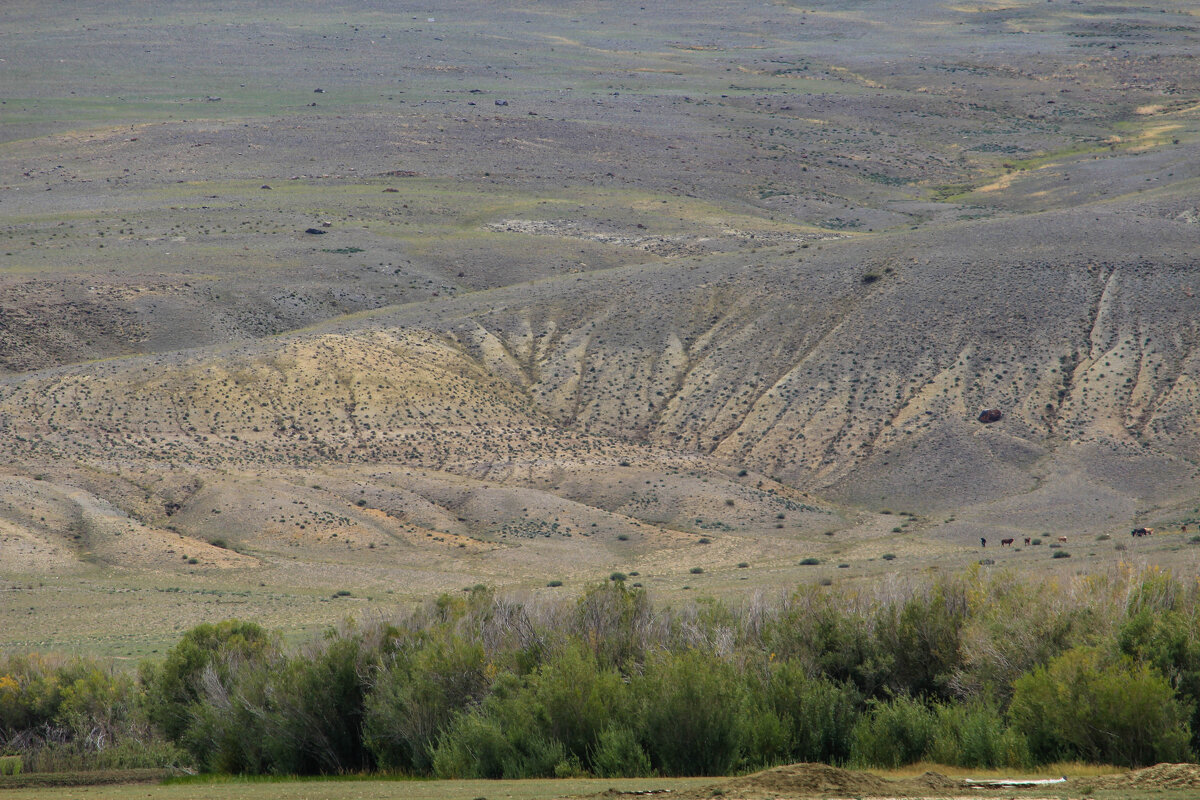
(378, 302)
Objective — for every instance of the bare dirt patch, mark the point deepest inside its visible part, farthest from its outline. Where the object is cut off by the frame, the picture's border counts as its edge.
(666, 246)
(1160, 776)
(822, 780)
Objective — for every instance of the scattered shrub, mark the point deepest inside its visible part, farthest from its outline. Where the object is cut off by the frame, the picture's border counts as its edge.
(810, 561)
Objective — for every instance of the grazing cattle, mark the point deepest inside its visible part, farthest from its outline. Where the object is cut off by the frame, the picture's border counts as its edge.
(982, 542)
(1139, 532)
(1062, 539)
(1006, 542)
(1027, 540)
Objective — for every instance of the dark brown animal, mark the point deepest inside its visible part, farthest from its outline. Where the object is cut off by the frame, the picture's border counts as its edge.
(1027, 540)
(990, 415)
(1005, 542)
(1139, 532)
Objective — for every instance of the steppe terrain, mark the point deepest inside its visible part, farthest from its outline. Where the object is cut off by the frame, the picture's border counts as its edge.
(378, 300)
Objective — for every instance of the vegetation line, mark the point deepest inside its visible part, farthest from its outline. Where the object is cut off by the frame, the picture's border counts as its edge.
(972, 671)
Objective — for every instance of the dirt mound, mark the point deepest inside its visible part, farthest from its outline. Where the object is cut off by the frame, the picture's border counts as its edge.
(935, 780)
(807, 779)
(822, 780)
(1160, 776)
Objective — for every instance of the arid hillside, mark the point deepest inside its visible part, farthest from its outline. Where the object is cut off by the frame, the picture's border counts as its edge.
(306, 310)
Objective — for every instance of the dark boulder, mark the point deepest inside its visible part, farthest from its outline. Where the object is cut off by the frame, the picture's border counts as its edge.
(989, 415)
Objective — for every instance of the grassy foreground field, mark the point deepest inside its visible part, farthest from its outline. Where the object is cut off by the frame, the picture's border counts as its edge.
(1084, 781)
(365, 789)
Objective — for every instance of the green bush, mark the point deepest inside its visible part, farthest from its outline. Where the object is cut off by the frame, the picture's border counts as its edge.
(174, 688)
(1167, 640)
(618, 754)
(1089, 707)
(501, 738)
(695, 710)
(976, 735)
(576, 699)
(416, 694)
(10, 765)
(817, 715)
(550, 723)
(893, 733)
(314, 708)
(128, 752)
(919, 641)
(610, 618)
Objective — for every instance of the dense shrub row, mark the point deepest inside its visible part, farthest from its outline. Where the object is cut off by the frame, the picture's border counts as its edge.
(970, 671)
(72, 713)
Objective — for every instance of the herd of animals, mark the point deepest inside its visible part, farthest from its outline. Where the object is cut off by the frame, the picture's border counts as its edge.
(1136, 532)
